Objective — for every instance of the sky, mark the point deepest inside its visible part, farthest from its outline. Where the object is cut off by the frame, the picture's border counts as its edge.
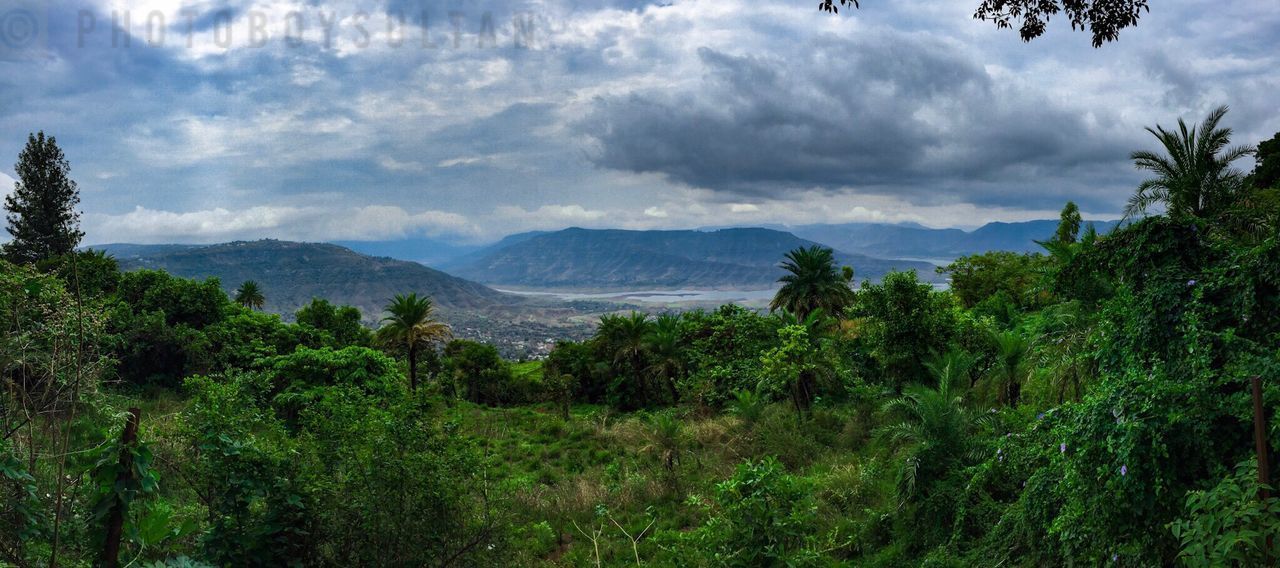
(468, 120)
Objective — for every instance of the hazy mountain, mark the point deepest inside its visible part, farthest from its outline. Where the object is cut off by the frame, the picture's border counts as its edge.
(431, 252)
(290, 274)
(617, 259)
(914, 241)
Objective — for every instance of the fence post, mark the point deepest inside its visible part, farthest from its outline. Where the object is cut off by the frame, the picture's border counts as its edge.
(115, 519)
(1261, 445)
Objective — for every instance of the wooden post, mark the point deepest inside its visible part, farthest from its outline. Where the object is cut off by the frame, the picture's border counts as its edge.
(1261, 445)
(1260, 436)
(115, 518)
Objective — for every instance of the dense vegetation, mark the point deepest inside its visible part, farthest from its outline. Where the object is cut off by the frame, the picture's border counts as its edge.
(1087, 405)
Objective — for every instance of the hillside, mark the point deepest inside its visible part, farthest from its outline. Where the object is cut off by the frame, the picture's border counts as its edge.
(915, 241)
(617, 259)
(291, 274)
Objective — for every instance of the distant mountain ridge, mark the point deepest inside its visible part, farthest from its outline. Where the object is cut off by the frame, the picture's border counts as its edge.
(291, 274)
(914, 241)
(578, 258)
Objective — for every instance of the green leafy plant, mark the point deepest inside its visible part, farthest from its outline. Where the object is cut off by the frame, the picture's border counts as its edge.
(1229, 524)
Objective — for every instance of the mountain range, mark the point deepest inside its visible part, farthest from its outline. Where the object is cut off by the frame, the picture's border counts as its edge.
(916, 241)
(610, 259)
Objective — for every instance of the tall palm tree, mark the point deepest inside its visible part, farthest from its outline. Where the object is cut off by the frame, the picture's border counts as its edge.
(668, 353)
(936, 424)
(250, 295)
(813, 282)
(1195, 178)
(410, 323)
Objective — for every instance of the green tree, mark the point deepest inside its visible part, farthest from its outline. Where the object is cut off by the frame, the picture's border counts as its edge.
(1009, 370)
(934, 423)
(1195, 177)
(1266, 170)
(625, 339)
(813, 282)
(904, 322)
(41, 211)
(249, 295)
(411, 324)
(667, 350)
(767, 518)
(796, 364)
(977, 277)
(342, 323)
(1068, 224)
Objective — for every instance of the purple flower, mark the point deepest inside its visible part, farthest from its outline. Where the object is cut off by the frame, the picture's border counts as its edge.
(1115, 557)
(1062, 448)
(1191, 282)
(1124, 470)
(1040, 416)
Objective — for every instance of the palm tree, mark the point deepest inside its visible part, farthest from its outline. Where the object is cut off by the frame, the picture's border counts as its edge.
(951, 367)
(410, 323)
(935, 422)
(627, 339)
(813, 282)
(250, 295)
(1195, 179)
(667, 350)
(1010, 368)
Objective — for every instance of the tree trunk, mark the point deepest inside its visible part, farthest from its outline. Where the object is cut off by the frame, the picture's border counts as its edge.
(413, 367)
(115, 518)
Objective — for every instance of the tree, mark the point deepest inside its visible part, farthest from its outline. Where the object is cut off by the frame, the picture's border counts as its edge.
(1195, 179)
(1266, 171)
(976, 278)
(340, 322)
(1068, 224)
(667, 350)
(813, 282)
(935, 422)
(626, 343)
(1010, 368)
(41, 210)
(410, 323)
(905, 321)
(250, 295)
(1103, 18)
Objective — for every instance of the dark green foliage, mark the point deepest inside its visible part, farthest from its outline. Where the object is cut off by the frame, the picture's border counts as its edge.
(767, 518)
(1195, 177)
(813, 283)
(724, 352)
(96, 273)
(339, 325)
(905, 322)
(1230, 524)
(41, 211)
(1006, 277)
(483, 377)
(249, 295)
(1068, 224)
(1266, 171)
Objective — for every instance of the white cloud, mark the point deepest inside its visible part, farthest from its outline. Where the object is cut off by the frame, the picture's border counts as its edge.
(143, 225)
(391, 164)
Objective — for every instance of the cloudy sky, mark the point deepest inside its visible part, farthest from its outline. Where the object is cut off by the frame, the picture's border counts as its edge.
(215, 120)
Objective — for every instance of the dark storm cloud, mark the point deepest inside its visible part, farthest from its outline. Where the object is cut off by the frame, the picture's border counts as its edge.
(880, 109)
